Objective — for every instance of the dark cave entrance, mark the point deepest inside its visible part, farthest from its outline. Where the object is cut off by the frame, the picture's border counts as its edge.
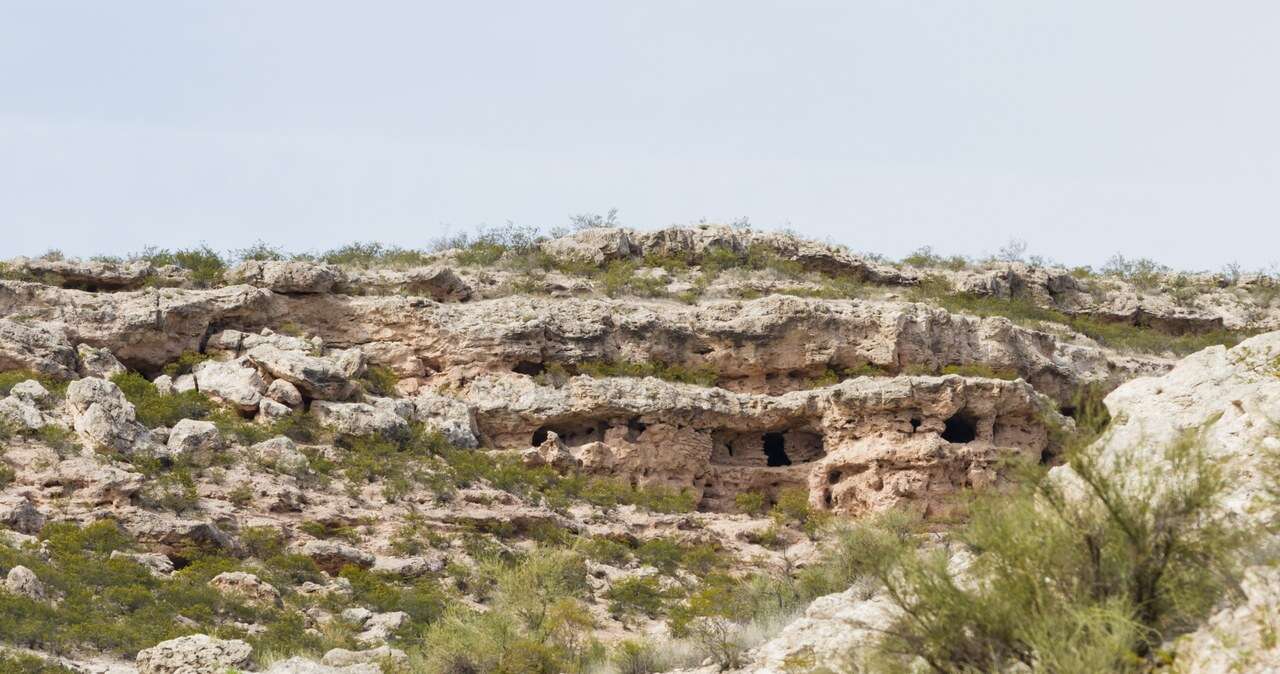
(775, 450)
(959, 429)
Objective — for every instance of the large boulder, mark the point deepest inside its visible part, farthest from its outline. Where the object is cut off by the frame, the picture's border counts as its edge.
(341, 657)
(101, 363)
(104, 418)
(246, 585)
(23, 582)
(323, 378)
(299, 665)
(195, 654)
(232, 382)
(190, 437)
(360, 419)
(452, 418)
(287, 277)
(32, 346)
(281, 454)
(20, 412)
(331, 556)
(85, 274)
(1231, 397)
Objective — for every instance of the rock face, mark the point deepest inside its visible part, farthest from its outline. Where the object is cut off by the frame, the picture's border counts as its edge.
(196, 654)
(632, 372)
(1231, 396)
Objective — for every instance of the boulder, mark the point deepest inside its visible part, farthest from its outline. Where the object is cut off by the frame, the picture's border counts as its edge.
(552, 452)
(190, 437)
(19, 514)
(410, 567)
(270, 410)
(381, 626)
(230, 381)
(287, 276)
(104, 418)
(19, 412)
(341, 657)
(323, 378)
(164, 385)
(281, 454)
(100, 363)
(195, 654)
(33, 346)
(23, 582)
(246, 585)
(285, 393)
(360, 419)
(158, 564)
(299, 665)
(31, 391)
(331, 556)
(452, 418)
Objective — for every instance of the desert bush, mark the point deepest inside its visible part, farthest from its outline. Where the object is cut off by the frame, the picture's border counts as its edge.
(184, 363)
(703, 375)
(11, 378)
(19, 663)
(792, 509)
(1142, 272)
(622, 277)
(1090, 577)
(373, 254)
(752, 502)
(379, 380)
(204, 265)
(153, 409)
(635, 596)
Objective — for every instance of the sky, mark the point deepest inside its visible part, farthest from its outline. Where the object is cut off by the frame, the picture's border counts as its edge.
(1149, 128)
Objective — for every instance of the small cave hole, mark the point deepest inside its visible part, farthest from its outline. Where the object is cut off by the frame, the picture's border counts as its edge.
(959, 429)
(915, 424)
(529, 367)
(826, 498)
(540, 436)
(775, 450)
(1046, 457)
(834, 477)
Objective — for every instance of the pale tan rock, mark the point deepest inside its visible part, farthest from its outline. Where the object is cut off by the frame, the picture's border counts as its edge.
(332, 555)
(37, 347)
(23, 582)
(100, 363)
(230, 381)
(1240, 639)
(190, 437)
(299, 665)
(341, 657)
(322, 378)
(104, 418)
(359, 419)
(195, 654)
(159, 565)
(281, 454)
(246, 585)
(285, 393)
(86, 274)
(287, 277)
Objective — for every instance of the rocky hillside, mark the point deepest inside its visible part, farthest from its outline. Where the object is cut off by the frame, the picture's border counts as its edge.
(520, 453)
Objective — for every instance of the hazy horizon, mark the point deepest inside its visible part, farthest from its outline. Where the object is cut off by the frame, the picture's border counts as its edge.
(1085, 129)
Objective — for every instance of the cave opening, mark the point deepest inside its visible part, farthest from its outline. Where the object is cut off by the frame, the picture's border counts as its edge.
(529, 368)
(775, 450)
(959, 429)
(540, 436)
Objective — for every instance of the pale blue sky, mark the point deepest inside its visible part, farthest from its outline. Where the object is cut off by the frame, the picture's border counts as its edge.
(1084, 127)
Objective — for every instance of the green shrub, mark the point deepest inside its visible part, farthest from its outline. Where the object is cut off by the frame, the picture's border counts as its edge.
(153, 409)
(704, 375)
(375, 255)
(752, 502)
(792, 509)
(379, 380)
(184, 363)
(11, 378)
(262, 542)
(204, 265)
(1091, 582)
(17, 663)
(636, 596)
